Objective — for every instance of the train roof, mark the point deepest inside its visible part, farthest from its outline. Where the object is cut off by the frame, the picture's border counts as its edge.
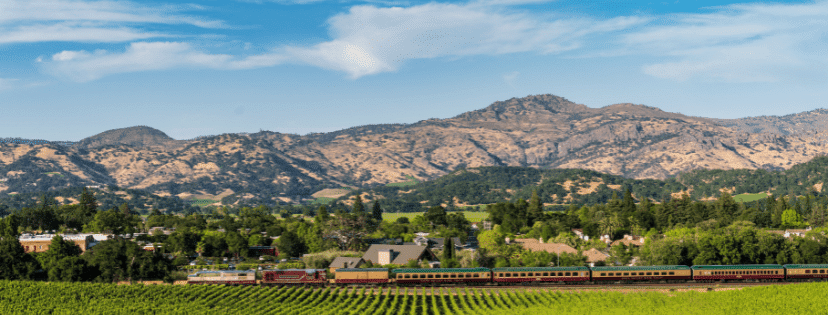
(622, 268)
(805, 266)
(578, 268)
(360, 269)
(735, 267)
(439, 270)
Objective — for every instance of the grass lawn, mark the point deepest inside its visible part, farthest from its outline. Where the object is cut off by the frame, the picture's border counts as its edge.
(202, 202)
(749, 197)
(322, 200)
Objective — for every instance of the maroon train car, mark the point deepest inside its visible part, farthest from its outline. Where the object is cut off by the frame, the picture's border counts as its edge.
(807, 272)
(294, 276)
(738, 272)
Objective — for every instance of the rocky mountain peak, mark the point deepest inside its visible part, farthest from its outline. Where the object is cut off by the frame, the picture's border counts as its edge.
(137, 136)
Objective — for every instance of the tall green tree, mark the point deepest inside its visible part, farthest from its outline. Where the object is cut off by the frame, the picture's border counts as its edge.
(791, 219)
(535, 209)
(88, 202)
(436, 215)
(376, 212)
(58, 249)
(322, 215)
(291, 245)
(15, 263)
(726, 209)
(123, 260)
(358, 206)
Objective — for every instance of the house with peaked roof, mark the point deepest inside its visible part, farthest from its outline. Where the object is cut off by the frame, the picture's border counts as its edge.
(345, 262)
(630, 240)
(380, 254)
(535, 245)
(593, 255)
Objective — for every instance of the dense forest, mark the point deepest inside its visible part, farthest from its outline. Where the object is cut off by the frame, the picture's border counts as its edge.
(108, 197)
(488, 185)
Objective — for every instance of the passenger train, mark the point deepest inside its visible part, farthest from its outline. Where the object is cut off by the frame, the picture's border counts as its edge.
(517, 275)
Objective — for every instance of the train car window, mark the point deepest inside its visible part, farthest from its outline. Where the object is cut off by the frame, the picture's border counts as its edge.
(508, 274)
(822, 271)
(545, 274)
(602, 274)
(626, 273)
(523, 274)
(567, 274)
(672, 273)
(663, 273)
(454, 276)
(408, 276)
(430, 276)
(650, 273)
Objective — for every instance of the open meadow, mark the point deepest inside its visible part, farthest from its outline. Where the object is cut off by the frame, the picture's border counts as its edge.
(23, 297)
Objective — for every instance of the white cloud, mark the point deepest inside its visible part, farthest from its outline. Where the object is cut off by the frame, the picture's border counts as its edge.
(737, 43)
(84, 66)
(369, 40)
(89, 21)
(74, 32)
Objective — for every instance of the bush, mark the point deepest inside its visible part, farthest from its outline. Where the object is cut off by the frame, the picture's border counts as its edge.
(291, 265)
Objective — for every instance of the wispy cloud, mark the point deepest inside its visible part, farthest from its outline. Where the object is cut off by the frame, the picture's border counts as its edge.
(84, 66)
(369, 40)
(737, 43)
(90, 21)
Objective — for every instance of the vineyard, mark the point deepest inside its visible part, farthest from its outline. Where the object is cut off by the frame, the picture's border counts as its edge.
(17, 297)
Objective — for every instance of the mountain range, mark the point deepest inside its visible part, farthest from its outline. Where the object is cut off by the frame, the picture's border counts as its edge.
(538, 131)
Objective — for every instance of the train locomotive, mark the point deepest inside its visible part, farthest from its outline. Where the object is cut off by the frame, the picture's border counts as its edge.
(607, 275)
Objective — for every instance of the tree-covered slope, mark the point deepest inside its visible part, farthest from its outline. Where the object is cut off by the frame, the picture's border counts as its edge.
(485, 185)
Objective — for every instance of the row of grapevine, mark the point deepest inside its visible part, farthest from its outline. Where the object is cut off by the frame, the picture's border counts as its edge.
(89, 298)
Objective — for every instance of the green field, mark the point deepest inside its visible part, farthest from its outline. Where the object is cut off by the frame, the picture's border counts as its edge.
(322, 200)
(95, 298)
(749, 197)
(476, 216)
(201, 202)
(413, 181)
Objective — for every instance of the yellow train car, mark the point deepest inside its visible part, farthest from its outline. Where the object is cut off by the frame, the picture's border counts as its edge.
(361, 275)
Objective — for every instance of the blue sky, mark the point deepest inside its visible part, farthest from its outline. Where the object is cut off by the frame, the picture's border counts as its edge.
(70, 69)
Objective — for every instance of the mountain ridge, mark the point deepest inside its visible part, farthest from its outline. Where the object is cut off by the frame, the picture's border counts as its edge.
(539, 131)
